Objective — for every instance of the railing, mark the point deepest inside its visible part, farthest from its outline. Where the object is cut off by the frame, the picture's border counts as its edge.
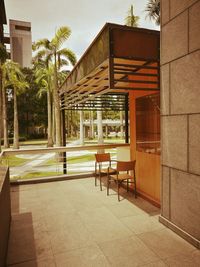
(25, 164)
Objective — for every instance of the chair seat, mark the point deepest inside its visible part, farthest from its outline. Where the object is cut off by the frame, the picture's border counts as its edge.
(122, 177)
(107, 170)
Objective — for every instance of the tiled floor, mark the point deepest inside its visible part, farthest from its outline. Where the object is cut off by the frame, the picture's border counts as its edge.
(72, 223)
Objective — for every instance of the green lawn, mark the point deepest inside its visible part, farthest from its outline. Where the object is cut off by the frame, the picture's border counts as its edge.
(77, 159)
(35, 175)
(14, 161)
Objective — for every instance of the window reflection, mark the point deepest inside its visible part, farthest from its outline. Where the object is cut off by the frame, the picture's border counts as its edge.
(148, 123)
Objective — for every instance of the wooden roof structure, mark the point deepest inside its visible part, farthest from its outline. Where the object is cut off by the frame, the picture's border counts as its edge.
(120, 59)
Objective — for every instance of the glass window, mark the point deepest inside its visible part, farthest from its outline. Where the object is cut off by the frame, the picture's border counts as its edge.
(148, 123)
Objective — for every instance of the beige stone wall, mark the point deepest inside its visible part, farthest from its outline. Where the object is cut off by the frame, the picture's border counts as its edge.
(180, 118)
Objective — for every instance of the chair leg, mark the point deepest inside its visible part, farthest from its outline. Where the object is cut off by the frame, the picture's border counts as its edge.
(100, 182)
(118, 190)
(108, 185)
(135, 185)
(135, 190)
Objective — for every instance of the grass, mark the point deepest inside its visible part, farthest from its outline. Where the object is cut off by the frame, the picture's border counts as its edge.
(87, 141)
(35, 175)
(73, 160)
(34, 142)
(76, 159)
(14, 161)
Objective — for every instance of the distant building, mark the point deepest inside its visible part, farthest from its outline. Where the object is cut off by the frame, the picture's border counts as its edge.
(21, 42)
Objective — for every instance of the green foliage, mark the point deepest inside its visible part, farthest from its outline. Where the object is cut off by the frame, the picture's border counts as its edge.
(14, 161)
(3, 54)
(131, 20)
(32, 111)
(52, 49)
(153, 10)
(14, 77)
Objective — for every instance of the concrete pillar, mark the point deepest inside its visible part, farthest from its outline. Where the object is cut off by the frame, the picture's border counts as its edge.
(180, 117)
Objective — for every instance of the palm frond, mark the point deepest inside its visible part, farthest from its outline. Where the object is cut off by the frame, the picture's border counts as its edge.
(62, 34)
(153, 11)
(42, 43)
(131, 20)
(68, 54)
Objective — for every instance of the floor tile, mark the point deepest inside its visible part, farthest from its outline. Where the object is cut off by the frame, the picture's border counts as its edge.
(127, 252)
(124, 209)
(165, 243)
(74, 235)
(154, 264)
(142, 223)
(87, 257)
(191, 260)
(103, 225)
(73, 223)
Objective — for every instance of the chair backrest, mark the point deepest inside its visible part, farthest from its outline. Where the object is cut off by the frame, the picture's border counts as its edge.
(102, 157)
(126, 165)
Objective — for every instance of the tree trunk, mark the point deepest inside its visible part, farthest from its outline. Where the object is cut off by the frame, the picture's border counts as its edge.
(99, 127)
(57, 105)
(91, 131)
(53, 123)
(81, 129)
(5, 119)
(49, 110)
(16, 124)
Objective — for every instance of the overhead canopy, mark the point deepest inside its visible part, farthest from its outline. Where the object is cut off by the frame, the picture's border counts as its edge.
(120, 58)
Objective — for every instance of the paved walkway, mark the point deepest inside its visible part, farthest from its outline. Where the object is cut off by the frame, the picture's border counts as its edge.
(74, 224)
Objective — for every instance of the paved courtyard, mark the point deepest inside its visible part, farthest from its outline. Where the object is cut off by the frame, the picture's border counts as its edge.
(72, 223)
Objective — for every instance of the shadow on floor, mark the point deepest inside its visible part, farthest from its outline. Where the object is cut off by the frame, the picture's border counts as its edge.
(130, 196)
(21, 248)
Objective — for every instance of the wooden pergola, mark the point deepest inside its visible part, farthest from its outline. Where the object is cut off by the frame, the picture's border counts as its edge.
(119, 59)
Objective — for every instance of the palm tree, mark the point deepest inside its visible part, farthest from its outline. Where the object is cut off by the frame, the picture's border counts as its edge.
(91, 119)
(16, 80)
(44, 79)
(153, 10)
(53, 50)
(3, 57)
(131, 20)
(99, 127)
(4, 104)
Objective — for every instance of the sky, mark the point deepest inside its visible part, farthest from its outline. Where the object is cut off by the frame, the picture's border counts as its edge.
(84, 17)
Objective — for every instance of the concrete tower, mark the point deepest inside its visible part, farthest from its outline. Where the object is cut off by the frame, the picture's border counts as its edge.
(21, 42)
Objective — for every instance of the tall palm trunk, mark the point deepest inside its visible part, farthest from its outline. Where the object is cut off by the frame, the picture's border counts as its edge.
(81, 129)
(5, 119)
(16, 123)
(57, 105)
(49, 110)
(100, 127)
(91, 118)
(53, 123)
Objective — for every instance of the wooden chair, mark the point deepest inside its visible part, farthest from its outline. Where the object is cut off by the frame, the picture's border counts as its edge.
(100, 170)
(123, 175)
